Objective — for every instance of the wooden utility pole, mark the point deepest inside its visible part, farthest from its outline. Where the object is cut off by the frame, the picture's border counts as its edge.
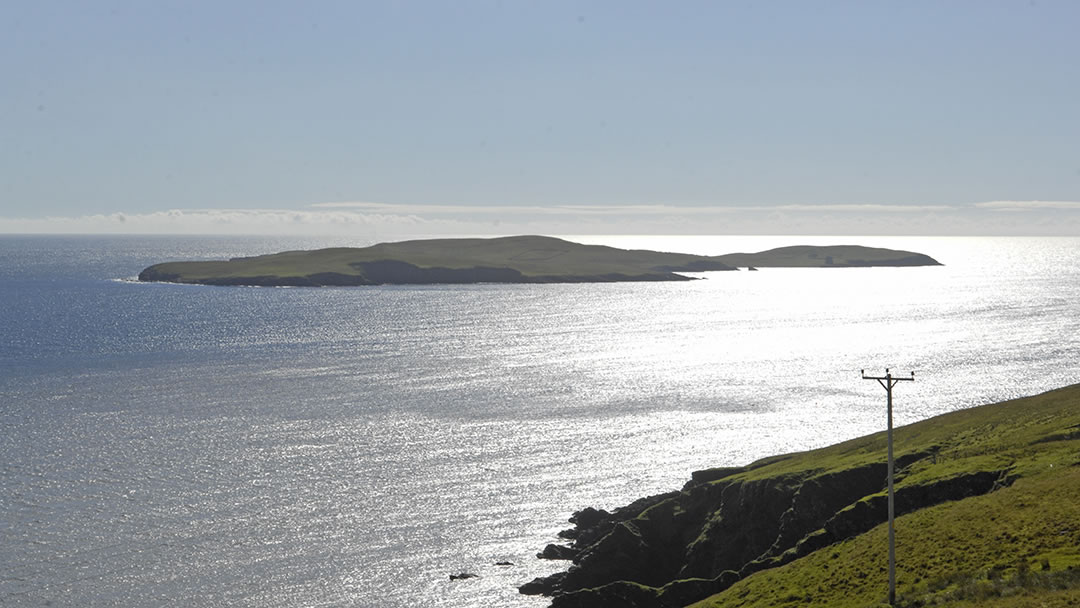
(888, 382)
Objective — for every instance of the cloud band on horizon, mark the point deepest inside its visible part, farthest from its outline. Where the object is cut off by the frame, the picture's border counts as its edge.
(383, 220)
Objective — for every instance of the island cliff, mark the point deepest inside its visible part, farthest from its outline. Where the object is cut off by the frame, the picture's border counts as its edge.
(518, 259)
(984, 497)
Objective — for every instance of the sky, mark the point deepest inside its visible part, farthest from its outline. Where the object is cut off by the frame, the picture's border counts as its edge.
(556, 117)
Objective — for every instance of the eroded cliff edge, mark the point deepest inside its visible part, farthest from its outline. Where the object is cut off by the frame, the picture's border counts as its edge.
(728, 524)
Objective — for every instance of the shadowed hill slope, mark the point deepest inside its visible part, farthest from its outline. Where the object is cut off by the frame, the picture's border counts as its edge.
(518, 259)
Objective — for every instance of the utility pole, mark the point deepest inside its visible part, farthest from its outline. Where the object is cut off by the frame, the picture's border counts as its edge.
(888, 382)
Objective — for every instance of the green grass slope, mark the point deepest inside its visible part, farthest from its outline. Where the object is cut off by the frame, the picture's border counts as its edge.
(518, 259)
(1018, 542)
(988, 504)
(1015, 546)
(838, 256)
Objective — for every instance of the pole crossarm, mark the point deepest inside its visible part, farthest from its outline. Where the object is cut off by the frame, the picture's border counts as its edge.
(889, 378)
(887, 382)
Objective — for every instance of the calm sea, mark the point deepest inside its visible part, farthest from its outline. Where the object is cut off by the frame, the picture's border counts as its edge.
(166, 445)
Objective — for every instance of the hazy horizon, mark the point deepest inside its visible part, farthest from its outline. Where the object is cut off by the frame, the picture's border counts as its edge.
(1000, 218)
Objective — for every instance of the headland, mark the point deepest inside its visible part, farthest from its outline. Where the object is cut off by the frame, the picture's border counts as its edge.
(988, 514)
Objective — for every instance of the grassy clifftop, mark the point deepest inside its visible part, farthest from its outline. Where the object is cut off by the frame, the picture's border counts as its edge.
(518, 259)
(988, 504)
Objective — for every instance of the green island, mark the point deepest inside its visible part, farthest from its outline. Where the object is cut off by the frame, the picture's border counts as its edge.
(988, 514)
(515, 259)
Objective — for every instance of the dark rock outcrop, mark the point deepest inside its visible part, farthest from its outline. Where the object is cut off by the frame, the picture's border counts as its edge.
(544, 585)
(558, 552)
(676, 548)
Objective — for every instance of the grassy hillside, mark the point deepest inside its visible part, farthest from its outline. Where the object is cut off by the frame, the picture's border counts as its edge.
(1020, 541)
(810, 256)
(519, 259)
(988, 503)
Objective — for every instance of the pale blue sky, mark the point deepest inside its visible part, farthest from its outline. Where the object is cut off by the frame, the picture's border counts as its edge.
(622, 116)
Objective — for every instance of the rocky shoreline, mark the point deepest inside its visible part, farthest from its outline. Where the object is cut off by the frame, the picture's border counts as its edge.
(673, 549)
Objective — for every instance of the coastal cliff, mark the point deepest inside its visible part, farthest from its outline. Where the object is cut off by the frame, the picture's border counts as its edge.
(517, 259)
(806, 529)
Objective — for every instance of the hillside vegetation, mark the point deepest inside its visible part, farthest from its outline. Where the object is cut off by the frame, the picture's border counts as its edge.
(518, 259)
(988, 504)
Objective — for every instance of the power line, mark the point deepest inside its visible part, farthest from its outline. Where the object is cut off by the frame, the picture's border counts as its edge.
(888, 381)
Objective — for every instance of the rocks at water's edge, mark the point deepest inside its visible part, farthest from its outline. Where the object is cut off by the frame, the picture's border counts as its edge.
(557, 552)
(676, 548)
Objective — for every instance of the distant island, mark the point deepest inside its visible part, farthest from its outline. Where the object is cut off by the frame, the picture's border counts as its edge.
(988, 506)
(515, 259)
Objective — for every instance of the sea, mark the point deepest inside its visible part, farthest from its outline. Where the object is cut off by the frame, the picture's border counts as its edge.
(177, 445)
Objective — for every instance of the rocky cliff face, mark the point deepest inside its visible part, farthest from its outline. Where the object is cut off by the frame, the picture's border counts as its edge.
(677, 548)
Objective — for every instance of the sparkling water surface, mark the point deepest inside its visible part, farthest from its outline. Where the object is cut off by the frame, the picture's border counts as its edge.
(207, 446)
